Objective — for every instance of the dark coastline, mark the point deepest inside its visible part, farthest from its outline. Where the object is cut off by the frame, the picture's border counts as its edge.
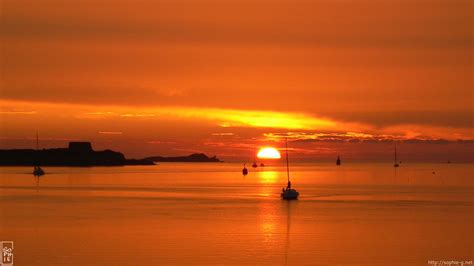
(81, 154)
(64, 157)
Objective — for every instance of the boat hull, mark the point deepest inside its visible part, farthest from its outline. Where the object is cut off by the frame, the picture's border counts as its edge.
(290, 194)
(38, 171)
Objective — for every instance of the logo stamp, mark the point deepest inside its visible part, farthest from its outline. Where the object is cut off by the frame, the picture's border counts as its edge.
(7, 253)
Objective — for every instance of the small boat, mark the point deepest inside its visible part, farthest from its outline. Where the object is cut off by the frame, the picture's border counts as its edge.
(338, 161)
(262, 165)
(254, 165)
(395, 164)
(288, 193)
(245, 171)
(37, 171)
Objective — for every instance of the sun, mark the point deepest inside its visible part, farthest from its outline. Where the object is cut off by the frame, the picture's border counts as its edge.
(268, 153)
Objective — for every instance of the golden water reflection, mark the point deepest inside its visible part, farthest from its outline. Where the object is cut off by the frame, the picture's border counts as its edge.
(165, 210)
(268, 177)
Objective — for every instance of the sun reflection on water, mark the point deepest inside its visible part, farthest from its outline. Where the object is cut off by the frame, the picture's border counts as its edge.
(268, 223)
(267, 177)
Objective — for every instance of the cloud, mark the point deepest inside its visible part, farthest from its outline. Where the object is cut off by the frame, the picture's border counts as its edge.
(161, 142)
(366, 62)
(461, 117)
(18, 112)
(138, 115)
(223, 134)
(110, 132)
(275, 125)
(230, 117)
(358, 137)
(303, 23)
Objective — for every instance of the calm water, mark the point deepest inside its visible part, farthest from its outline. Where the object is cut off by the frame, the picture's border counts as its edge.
(210, 214)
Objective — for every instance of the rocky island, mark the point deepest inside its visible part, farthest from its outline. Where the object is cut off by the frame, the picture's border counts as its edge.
(82, 154)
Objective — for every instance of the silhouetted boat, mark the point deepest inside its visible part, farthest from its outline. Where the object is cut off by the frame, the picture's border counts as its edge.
(37, 170)
(395, 164)
(338, 161)
(262, 165)
(245, 171)
(288, 193)
(254, 165)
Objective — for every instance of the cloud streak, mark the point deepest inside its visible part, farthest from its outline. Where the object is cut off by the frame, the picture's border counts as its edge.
(110, 132)
(289, 124)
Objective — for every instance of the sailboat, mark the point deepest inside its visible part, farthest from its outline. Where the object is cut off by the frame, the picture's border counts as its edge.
(37, 171)
(395, 164)
(338, 161)
(244, 170)
(254, 165)
(288, 193)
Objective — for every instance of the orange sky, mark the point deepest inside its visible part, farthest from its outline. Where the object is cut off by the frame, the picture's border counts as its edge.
(172, 77)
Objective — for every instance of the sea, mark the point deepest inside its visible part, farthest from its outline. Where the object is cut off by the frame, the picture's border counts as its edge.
(211, 214)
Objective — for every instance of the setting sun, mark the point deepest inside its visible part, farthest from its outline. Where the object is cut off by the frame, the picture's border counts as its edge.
(268, 153)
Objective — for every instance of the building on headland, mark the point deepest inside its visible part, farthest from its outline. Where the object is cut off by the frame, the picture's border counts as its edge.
(81, 146)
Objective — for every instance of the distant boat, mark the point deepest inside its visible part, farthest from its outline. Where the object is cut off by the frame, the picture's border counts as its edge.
(254, 165)
(262, 165)
(338, 161)
(37, 170)
(395, 164)
(288, 193)
(245, 171)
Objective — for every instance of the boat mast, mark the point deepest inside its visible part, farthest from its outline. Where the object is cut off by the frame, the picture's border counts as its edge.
(396, 153)
(287, 165)
(36, 155)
